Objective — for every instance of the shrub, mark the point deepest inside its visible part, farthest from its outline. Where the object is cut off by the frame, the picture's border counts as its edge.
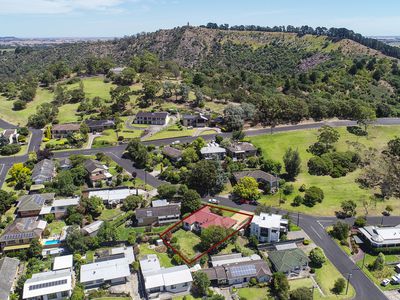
(49, 218)
(306, 242)
(313, 195)
(253, 281)
(302, 188)
(288, 189)
(317, 257)
(340, 231)
(10, 149)
(356, 130)
(19, 105)
(360, 221)
(339, 285)
(298, 200)
(319, 166)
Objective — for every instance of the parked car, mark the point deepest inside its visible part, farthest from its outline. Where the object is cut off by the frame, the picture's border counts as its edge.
(176, 142)
(214, 201)
(385, 282)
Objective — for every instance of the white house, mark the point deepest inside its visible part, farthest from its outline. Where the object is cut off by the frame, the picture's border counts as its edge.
(52, 285)
(11, 135)
(268, 227)
(213, 151)
(112, 196)
(160, 282)
(63, 262)
(114, 271)
(381, 236)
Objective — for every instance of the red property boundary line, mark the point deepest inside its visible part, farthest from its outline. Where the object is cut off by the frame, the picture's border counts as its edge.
(191, 261)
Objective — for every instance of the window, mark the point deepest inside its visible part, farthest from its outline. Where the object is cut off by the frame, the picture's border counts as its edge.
(185, 284)
(64, 294)
(52, 296)
(173, 287)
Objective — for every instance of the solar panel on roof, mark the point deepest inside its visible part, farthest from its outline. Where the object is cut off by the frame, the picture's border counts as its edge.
(238, 271)
(47, 284)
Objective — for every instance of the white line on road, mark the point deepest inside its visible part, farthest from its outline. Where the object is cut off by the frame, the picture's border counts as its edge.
(2, 168)
(316, 232)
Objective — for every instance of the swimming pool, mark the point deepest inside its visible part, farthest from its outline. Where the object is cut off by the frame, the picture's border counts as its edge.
(51, 242)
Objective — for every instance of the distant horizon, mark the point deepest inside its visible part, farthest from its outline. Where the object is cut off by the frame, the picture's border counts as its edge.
(118, 18)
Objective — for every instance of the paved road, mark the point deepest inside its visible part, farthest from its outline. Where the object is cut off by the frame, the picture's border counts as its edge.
(313, 226)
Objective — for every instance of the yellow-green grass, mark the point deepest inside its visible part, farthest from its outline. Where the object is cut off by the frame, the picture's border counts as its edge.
(308, 283)
(336, 190)
(253, 293)
(326, 282)
(187, 241)
(171, 133)
(68, 113)
(377, 276)
(21, 116)
(107, 138)
(206, 132)
(56, 227)
(113, 298)
(187, 297)
(94, 87)
(165, 261)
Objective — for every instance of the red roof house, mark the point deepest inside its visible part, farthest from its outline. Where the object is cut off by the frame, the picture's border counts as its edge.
(204, 218)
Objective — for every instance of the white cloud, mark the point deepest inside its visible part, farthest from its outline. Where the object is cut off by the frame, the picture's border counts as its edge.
(57, 6)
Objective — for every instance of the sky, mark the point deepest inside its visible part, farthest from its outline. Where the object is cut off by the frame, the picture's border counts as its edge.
(116, 18)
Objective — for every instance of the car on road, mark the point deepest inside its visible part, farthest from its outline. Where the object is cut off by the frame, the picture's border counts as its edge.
(385, 282)
(175, 142)
(213, 201)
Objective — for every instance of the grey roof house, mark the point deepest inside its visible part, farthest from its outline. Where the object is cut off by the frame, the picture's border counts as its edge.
(240, 273)
(241, 150)
(31, 205)
(65, 163)
(172, 153)
(213, 151)
(11, 135)
(162, 214)
(262, 177)
(99, 125)
(8, 270)
(197, 120)
(44, 171)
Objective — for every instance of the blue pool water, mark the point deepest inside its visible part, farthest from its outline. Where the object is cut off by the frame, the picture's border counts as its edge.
(52, 242)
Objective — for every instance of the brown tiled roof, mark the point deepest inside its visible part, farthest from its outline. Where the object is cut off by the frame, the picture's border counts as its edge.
(241, 147)
(172, 152)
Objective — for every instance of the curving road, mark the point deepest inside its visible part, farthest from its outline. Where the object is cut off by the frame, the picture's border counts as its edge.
(313, 226)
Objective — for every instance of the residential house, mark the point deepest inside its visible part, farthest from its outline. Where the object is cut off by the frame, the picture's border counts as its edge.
(204, 218)
(64, 262)
(290, 261)
(196, 120)
(241, 150)
(117, 70)
(152, 118)
(160, 214)
(100, 125)
(65, 163)
(164, 282)
(224, 259)
(59, 207)
(117, 253)
(44, 171)
(266, 180)
(98, 172)
(381, 237)
(92, 228)
(110, 196)
(240, 273)
(59, 131)
(32, 204)
(113, 271)
(21, 232)
(213, 151)
(11, 135)
(172, 153)
(8, 270)
(51, 285)
(268, 227)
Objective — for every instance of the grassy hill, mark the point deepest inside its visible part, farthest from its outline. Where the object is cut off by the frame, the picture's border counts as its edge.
(335, 190)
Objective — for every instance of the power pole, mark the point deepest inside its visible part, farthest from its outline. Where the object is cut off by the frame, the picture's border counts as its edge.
(348, 282)
(298, 218)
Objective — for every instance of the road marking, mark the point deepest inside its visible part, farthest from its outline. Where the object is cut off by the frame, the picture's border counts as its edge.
(313, 229)
(2, 168)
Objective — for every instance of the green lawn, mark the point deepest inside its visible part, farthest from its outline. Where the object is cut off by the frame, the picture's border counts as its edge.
(165, 261)
(187, 297)
(206, 132)
(187, 240)
(21, 116)
(108, 214)
(326, 282)
(253, 293)
(113, 298)
(68, 113)
(378, 276)
(335, 189)
(56, 227)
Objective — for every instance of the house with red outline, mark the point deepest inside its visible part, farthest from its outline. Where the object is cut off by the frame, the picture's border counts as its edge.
(204, 218)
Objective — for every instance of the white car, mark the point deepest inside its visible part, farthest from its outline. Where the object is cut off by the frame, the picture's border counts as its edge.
(176, 142)
(385, 282)
(214, 201)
